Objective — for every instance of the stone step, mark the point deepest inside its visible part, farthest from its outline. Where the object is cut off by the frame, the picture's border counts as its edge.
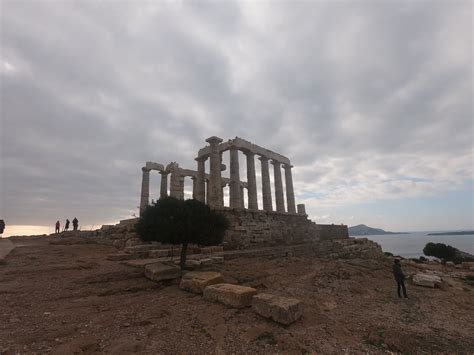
(280, 309)
(230, 295)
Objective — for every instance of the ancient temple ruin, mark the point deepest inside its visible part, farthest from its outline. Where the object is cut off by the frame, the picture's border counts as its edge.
(251, 226)
(208, 187)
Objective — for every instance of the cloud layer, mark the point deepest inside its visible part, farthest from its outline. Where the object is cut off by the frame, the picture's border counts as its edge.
(372, 101)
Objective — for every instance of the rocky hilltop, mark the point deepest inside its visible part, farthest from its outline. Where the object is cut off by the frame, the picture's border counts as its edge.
(362, 229)
(63, 295)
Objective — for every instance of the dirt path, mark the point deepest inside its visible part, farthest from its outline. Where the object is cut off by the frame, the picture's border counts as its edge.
(68, 298)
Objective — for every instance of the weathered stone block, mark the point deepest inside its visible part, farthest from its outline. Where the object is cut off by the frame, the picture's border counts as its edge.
(467, 264)
(280, 309)
(140, 263)
(426, 280)
(197, 281)
(161, 272)
(120, 257)
(160, 253)
(192, 263)
(231, 295)
(206, 261)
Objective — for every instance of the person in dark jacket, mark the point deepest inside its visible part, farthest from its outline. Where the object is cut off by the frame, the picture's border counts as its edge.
(57, 227)
(66, 226)
(2, 226)
(399, 277)
(75, 223)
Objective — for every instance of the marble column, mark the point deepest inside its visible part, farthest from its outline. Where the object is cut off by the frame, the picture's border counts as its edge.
(175, 185)
(290, 194)
(242, 201)
(145, 193)
(251, 181)
(181, 187)
(200, 181)
(279, 199)
(194, 186)
(234, 193)
(215, 188)
(266, 189)
(164, 184)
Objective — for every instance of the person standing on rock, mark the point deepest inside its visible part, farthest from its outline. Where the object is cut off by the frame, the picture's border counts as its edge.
(2, 226)
(399, 277)
(58, 225)
(75, 223)
(66, 226)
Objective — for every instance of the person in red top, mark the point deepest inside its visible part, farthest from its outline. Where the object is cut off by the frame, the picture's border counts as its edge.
(57, 226)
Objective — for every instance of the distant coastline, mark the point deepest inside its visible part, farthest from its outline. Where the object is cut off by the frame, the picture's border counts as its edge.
(453, 233)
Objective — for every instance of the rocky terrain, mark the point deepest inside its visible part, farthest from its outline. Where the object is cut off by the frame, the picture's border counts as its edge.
(63, 296)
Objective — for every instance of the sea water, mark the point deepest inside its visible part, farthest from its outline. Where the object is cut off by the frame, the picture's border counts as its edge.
(411, 245)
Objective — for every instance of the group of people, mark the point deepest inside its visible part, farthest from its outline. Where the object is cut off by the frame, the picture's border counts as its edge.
(75, 225)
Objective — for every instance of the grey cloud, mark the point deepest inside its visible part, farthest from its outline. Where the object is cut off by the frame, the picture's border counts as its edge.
(352, 93)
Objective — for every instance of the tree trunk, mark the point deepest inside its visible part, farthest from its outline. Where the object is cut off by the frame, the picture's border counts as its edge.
(182, 262)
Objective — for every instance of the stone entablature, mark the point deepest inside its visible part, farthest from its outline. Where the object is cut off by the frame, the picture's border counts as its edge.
(208, 187)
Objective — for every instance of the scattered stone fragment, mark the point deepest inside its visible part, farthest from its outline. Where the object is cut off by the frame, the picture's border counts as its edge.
(449, 263)
(231, 295)
(197, 281)
(426, 280)
(217, 259)
(160, 272)
(280, 309)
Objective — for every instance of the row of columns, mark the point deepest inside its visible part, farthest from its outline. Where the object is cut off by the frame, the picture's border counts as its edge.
(214, 186)
(236, 198)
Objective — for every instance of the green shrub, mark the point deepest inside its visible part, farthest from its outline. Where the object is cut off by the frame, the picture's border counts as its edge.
(440, 250)
(173, 221)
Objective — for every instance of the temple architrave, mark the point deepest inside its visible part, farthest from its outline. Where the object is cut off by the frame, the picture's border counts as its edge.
(208, 187)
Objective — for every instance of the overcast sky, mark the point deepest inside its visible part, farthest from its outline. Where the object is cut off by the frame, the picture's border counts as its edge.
(370, 100)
